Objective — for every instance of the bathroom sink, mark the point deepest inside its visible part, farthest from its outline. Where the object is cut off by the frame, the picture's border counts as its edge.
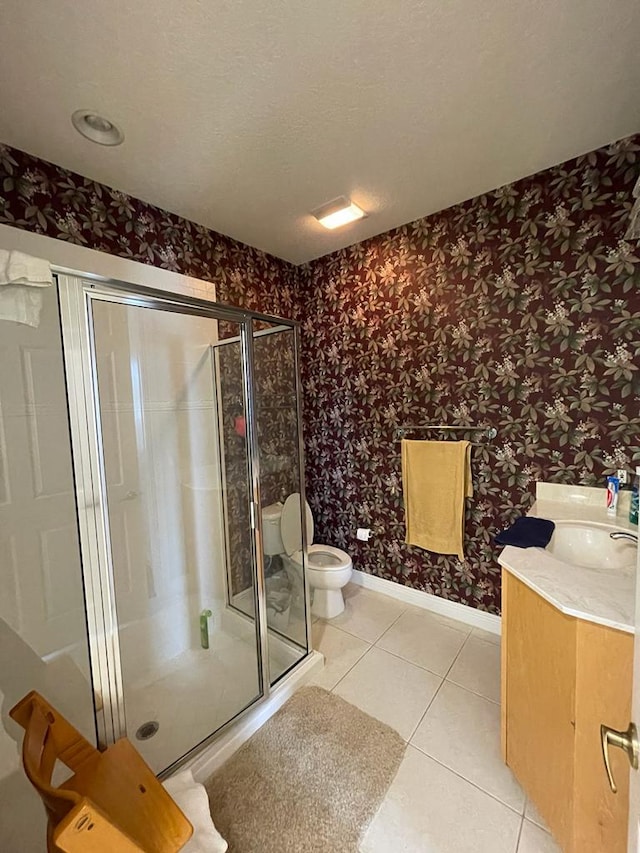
(588, 544)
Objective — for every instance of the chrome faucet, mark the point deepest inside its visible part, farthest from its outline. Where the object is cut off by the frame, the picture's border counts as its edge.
(624, 534)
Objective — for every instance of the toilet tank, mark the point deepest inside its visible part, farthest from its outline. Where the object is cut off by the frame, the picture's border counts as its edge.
(271, 539)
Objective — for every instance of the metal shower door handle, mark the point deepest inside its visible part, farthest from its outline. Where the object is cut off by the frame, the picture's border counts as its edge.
(628, 741)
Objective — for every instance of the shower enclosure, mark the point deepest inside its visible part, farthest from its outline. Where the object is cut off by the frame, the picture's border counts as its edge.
(141, 434)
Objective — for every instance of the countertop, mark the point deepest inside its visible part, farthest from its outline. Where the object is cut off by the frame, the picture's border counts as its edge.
(603, 596)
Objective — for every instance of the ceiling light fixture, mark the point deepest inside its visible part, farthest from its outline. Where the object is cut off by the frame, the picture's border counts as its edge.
(97, 128)
(338, 212)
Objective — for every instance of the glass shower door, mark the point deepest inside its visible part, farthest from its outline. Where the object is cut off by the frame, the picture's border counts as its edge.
(188, 663)
(277, 426)
(277, 414)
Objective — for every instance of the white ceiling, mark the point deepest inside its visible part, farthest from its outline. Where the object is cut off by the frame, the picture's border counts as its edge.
(246, 115)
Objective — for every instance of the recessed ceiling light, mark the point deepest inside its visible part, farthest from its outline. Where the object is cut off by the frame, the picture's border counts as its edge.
(97, 128)
(338, 212)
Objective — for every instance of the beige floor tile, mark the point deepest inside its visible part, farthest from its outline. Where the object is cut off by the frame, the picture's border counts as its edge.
(341, 651)
(390, 689)
(489, 636)
(477, 668)
(428, 809)
(367, 614)
(536, 840)
(462, 731)
(425, 639)
(531, 813)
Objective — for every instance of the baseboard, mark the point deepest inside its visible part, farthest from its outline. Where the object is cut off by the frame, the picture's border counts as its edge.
(215, 755)
(461, 612)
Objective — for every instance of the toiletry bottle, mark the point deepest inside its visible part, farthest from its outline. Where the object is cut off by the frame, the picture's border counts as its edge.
(613, 488)
(635, 498)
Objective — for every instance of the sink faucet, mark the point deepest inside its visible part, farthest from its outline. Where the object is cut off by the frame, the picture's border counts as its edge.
(624, 534)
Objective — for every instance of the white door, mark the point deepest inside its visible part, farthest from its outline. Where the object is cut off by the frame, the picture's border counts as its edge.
(40, 575)
(634, 789)
(43, 635)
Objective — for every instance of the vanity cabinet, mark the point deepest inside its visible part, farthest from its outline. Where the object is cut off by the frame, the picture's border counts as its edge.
(561, 678)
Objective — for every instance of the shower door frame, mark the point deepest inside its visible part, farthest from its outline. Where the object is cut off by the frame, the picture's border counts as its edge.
(77, 291)
(216, 348)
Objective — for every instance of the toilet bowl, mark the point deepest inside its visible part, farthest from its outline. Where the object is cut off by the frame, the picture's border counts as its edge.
(328, 569)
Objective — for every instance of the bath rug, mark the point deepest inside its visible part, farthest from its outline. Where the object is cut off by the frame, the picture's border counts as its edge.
(310, 780)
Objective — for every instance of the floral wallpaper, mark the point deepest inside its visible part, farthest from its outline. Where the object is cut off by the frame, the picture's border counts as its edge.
(519, 309)
(41, 197)
(50, 200)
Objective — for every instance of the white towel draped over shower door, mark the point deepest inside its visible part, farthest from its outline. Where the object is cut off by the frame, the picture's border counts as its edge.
(21, 280)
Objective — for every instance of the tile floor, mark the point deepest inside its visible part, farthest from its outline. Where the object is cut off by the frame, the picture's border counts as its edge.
(437, 682)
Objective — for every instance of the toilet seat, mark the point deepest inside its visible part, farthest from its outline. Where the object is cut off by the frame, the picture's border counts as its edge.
(323, 557)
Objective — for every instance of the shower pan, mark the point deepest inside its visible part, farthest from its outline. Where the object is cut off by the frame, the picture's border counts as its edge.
(178, 434)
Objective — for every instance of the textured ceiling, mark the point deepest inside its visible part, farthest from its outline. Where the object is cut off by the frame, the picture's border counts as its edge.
(246, 115)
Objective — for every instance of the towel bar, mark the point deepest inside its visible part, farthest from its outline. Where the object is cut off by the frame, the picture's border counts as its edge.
(490, 432)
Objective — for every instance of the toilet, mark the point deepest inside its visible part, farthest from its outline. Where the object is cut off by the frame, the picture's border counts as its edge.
(328, 569)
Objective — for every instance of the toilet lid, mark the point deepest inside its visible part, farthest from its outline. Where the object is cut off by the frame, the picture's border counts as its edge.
(290, 527)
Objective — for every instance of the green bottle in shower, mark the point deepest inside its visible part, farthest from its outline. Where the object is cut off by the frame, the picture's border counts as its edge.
(205, 615)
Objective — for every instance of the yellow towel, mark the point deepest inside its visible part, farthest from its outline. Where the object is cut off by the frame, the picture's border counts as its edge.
(436, 478)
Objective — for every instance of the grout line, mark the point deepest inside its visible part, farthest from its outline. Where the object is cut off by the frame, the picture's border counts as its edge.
(410, 662)
(386, 630)
(342, 677)
(446, 675)
(481, 639)
(357, 636)
(344, 631)
(426, 710)
(534, 823)
(463, 686)
(469, 781)
(475, 692)
(375, 645)
(517, 847)
(433, 698)
(443, 621)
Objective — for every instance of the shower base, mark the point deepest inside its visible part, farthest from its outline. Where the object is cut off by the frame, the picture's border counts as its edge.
(195, 693)
(284, 640)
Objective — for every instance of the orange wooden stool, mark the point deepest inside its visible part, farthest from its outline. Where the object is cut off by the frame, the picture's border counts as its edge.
(113, 803)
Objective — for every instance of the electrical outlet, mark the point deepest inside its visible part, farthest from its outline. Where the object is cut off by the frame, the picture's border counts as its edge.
(623, 475)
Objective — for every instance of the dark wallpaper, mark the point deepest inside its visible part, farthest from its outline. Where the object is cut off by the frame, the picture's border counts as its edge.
(48, 199)
(519, 309)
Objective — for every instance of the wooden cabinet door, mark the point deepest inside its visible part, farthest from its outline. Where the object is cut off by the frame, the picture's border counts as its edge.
(539, 667)
(603, 695)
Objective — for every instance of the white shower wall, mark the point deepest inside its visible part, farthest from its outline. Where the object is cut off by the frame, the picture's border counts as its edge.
(164, 489)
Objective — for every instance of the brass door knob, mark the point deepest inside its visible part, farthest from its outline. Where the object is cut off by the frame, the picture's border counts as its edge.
(628, 741)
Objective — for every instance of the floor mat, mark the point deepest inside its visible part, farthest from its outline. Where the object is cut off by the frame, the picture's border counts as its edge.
(310, 779)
